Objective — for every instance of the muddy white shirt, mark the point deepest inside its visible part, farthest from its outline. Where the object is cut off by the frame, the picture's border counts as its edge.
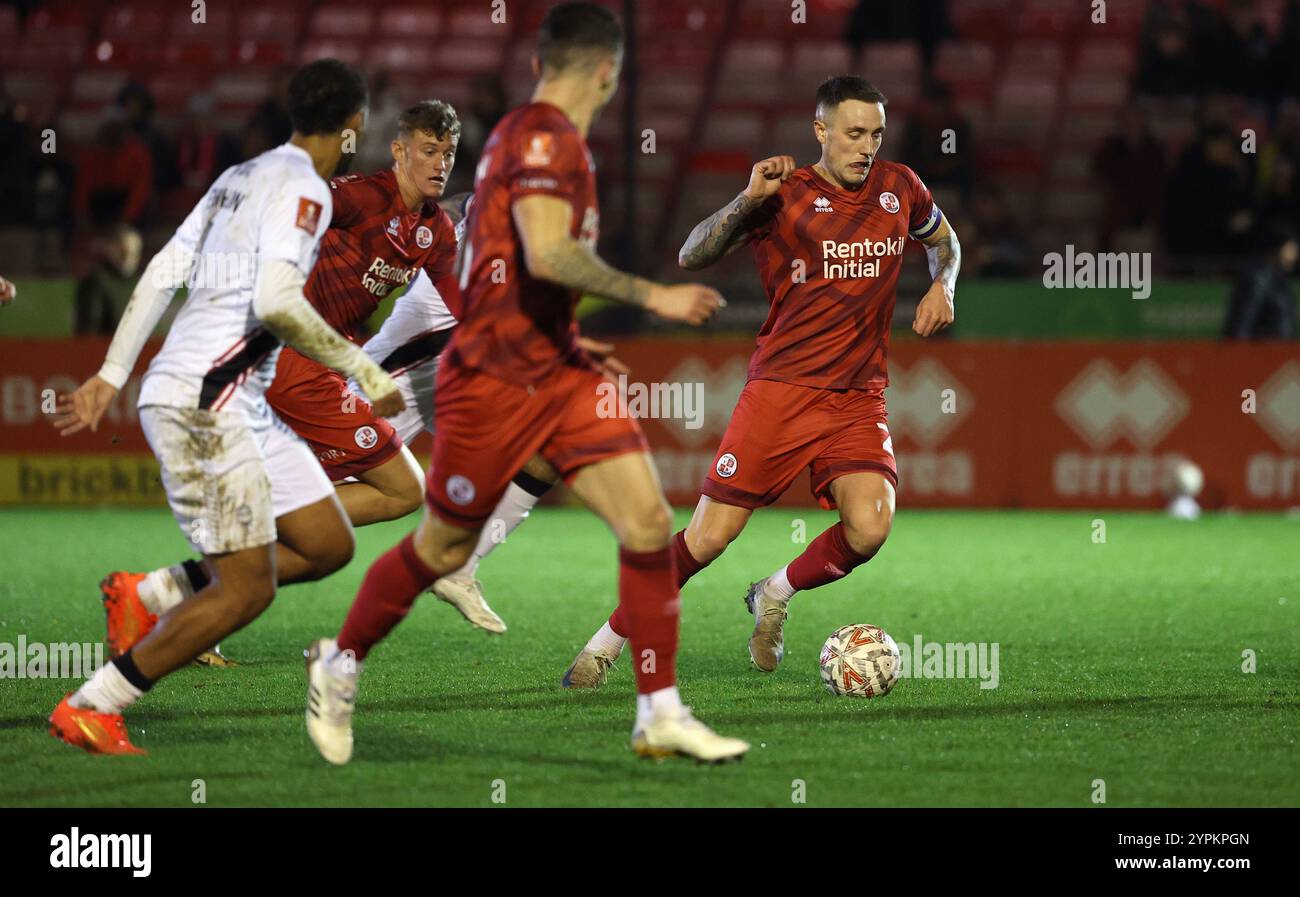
(218, 355)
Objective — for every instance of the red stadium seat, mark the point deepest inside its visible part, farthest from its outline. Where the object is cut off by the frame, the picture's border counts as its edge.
(409, 22)
(342, 21)
(731, 130)
(466, 57)
(271, 21)
(1107, 56)
(1098, 91)
(133, 23)
(347, 50)
(476, 21)
(982, 20)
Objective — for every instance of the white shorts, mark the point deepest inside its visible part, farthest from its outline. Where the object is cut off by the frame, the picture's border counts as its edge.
(228, 477)
(416, 386)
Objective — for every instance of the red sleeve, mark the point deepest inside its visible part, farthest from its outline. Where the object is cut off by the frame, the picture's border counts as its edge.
(346, 192)
(545, 157)
(761, 222)
(924, 217)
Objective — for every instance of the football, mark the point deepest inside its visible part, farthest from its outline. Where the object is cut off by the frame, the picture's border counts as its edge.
(860, 661)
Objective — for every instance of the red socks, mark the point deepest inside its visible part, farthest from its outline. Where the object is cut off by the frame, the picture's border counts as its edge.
(825, 560)
(647, 598)
(390, 588)
(685, 566)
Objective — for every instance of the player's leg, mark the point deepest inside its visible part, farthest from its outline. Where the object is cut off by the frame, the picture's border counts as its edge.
(625, 492)
(243, 586)
(713, 527)
(387, 491)
(201, 454)
(855, 471)
(461, 588)
(390, 587)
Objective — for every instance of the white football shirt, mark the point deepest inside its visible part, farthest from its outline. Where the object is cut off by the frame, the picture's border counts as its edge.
(217, 354)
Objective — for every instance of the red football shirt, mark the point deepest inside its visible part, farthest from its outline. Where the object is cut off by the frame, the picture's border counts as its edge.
(375, 245)
(829, 259)
(514, 326)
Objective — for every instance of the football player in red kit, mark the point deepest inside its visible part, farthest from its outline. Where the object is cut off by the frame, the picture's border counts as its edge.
(386, 228)
(828, 240)
(514, 383)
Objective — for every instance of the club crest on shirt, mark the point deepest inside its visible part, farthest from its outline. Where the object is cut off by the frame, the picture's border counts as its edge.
(460, 490)
(539, 148)
(423, 237)
(308, 215)
(726, 466)
(889, 202)
(366, 437)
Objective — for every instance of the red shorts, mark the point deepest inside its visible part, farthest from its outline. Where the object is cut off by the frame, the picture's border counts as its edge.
(486, 429)
(338, 424)
(778, 429)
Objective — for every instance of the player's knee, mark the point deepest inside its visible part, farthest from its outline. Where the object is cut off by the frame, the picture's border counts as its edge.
(649, 530)
(407, 498)
(332, 551)
(251, 595)
(866, 533)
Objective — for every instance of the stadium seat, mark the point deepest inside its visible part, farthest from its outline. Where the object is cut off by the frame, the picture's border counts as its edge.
(1107, 56)
(409, 22)
(738, 130)
(320, 48)
(1098, 91)
(346, 22)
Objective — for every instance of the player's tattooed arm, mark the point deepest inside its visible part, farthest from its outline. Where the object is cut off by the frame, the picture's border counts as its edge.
(943, 253)
(718, 235)
(724, 231)
(552, 253)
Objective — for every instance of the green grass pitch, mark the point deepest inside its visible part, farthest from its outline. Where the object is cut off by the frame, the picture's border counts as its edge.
(1119, 661)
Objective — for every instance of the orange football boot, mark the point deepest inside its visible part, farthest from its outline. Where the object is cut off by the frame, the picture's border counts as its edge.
(95, 732)
(128, 619)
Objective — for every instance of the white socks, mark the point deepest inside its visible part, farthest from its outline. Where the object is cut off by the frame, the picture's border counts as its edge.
(778, 584)
(607, 641)
(164, 588)
(511, 511)
(657, 703)
(107, 691)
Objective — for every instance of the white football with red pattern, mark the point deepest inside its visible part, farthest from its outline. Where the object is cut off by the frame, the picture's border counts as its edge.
(860, 661)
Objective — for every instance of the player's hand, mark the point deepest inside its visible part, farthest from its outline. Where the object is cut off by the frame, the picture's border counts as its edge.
(85, 407)
(766, 177)
(388, 404)
(602, 355)
(692, 303)
(8, 292)
(935, 311)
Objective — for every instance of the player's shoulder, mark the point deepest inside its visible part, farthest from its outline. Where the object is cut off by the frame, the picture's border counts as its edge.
(361, 188)
(899, 174)
(538, 116)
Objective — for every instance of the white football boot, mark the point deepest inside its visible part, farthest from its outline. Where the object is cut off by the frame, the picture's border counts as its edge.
(679, 734)
(588, 669)
(331, 699)
(465, 593)
(767, 644)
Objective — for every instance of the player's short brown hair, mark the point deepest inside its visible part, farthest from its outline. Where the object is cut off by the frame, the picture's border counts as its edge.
(572, 30)
(836, 90)
(431, 117)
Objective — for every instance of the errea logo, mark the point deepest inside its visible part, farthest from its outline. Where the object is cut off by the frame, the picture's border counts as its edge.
(822, 204)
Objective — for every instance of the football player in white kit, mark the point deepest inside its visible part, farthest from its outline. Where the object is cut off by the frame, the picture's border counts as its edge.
(247, 492)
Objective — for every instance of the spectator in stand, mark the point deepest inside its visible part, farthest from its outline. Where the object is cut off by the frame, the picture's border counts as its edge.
(202, 152)
(1262, 305)
(8, 292)
(924, 141)
(1166, 65)
(998, 244)
(1279, 162)
(17, 172)
(1131, 170)
(269, 125)
(1244, 60)
(53, 180)
(487, 103)
(114, 176)
(376, 152)
(1207, 208)
(1286, 52)
(102, 294)
(137, 106)
(923, 21)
